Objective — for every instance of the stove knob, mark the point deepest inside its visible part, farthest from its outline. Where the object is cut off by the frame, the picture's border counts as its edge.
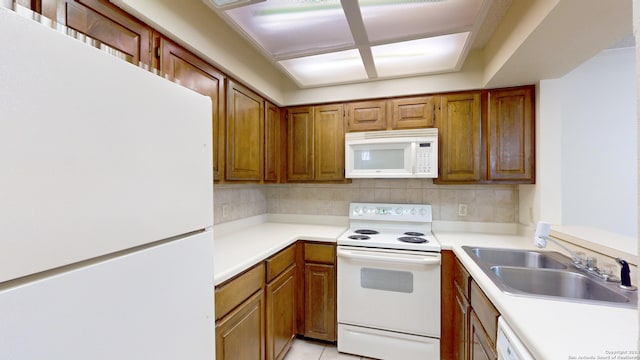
(357, 210)
(423, 212)
(399, 211)
(413, 211)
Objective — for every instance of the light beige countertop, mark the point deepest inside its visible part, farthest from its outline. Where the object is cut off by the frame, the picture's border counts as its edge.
(551, 329)
(248, 243)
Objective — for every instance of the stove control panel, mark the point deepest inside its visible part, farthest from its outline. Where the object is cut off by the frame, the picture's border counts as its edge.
(390, 212)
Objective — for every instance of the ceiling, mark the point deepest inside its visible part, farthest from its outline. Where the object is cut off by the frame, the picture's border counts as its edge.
(328, 42)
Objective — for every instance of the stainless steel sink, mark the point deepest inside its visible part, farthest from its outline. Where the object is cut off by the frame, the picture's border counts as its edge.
(547, 274)
(565, 284)
(520, 258)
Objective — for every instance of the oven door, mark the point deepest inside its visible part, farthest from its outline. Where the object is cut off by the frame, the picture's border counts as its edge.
(393, 290)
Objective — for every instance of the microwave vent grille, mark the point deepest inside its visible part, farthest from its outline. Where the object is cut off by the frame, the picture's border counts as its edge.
(417, 133)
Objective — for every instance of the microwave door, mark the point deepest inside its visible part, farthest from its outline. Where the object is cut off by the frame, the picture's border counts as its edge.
(391, 160)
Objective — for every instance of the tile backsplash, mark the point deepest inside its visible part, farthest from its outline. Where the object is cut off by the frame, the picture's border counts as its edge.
(485, 203)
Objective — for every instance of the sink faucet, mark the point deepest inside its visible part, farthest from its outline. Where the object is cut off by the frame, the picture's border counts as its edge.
(625, 277)
(542, 236)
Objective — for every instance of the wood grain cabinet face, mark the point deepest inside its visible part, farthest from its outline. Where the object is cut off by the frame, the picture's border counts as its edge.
(315, 143)
(317, 302)
(240, 335)
(511, 134)
(197, 75)
(367, 115)
(107, 24)
(273, 144)
(414, 113)
(459, 129)
(300, 127)
(329, 142)
(480, 347)
(281, 313)
(245, 134)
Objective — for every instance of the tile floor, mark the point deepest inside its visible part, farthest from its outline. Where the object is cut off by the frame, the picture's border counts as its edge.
(304, 349)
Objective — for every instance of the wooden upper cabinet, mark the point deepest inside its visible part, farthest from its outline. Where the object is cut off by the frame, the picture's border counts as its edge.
(329, 142)
(413, 113)
(197, 75)
(367, 115)
(510, 141)
(273, 144)
(245, 134)
(106, 23)
(459, 129)
(300, 132)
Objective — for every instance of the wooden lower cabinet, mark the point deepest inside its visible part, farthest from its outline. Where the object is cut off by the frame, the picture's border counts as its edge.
(481, 347)
(469, 319)
(320, 302)
(317, 301)
(240, 335)
(281, 308)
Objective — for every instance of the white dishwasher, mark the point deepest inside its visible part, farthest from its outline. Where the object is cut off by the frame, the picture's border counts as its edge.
(509, 346)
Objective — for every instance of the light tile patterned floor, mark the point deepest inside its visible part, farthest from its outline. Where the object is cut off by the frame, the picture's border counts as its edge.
(304, 349)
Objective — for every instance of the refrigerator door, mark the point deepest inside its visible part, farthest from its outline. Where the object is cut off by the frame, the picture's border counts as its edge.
(155, 303)
(97, 154)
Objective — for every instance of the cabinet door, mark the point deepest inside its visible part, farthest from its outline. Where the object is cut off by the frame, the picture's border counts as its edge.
(273, 144)
(511, 135)
(329, 142)
(413, 113)
(240, 335)
(108, 24)
(320, 302)
(460, 142)
(281, 314)
(480, 347)
(196, 74)
(461, 314)
(245, 134)
(367, 115)
(300, 163)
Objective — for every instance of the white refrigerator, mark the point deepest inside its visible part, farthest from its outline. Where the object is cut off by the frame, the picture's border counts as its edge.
(106, 205)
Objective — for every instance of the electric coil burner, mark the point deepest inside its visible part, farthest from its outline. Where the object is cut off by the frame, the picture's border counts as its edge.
(359, 237)
(412, 239)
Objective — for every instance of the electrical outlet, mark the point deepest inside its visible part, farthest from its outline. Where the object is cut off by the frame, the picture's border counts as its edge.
(462, 209)
(225, 210)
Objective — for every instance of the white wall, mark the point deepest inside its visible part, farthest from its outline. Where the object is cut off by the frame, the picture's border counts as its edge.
(587, 147)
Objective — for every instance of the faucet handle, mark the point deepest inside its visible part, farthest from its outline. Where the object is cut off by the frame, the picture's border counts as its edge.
(625, 275)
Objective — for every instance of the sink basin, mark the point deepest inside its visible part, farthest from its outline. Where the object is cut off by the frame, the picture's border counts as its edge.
(565, 284)
(520, 258)
(547, 275)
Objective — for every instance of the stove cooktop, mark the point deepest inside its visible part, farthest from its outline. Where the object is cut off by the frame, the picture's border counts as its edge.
(390, 226)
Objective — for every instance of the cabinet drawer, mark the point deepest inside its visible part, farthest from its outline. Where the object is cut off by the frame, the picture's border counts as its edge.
(280, 262)
(461, 278)
(233, 292)
(320, 253)
(485, 311)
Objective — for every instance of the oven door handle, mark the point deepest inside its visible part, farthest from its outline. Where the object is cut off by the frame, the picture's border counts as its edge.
(393, 258)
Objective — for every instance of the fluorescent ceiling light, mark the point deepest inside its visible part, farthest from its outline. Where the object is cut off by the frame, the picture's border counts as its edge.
(320, 42)
(336, 67)
(422, 56)
(230, 4)
(284, 27)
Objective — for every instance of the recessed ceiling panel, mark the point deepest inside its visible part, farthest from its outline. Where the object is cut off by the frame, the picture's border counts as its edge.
(387, 20)
(288, 27)
(422, 56)
(336, 67)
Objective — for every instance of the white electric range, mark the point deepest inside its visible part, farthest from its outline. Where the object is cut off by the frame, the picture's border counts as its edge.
(389, 283)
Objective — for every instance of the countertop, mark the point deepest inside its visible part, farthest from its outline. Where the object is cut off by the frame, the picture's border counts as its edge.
(550, 329)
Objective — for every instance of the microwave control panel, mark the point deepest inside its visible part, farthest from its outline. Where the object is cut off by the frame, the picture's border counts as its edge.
(424, 161)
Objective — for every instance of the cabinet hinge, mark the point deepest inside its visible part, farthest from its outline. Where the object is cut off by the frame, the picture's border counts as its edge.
(157, 52)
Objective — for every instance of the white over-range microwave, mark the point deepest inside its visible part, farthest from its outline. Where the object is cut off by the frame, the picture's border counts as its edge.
(392, 154)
